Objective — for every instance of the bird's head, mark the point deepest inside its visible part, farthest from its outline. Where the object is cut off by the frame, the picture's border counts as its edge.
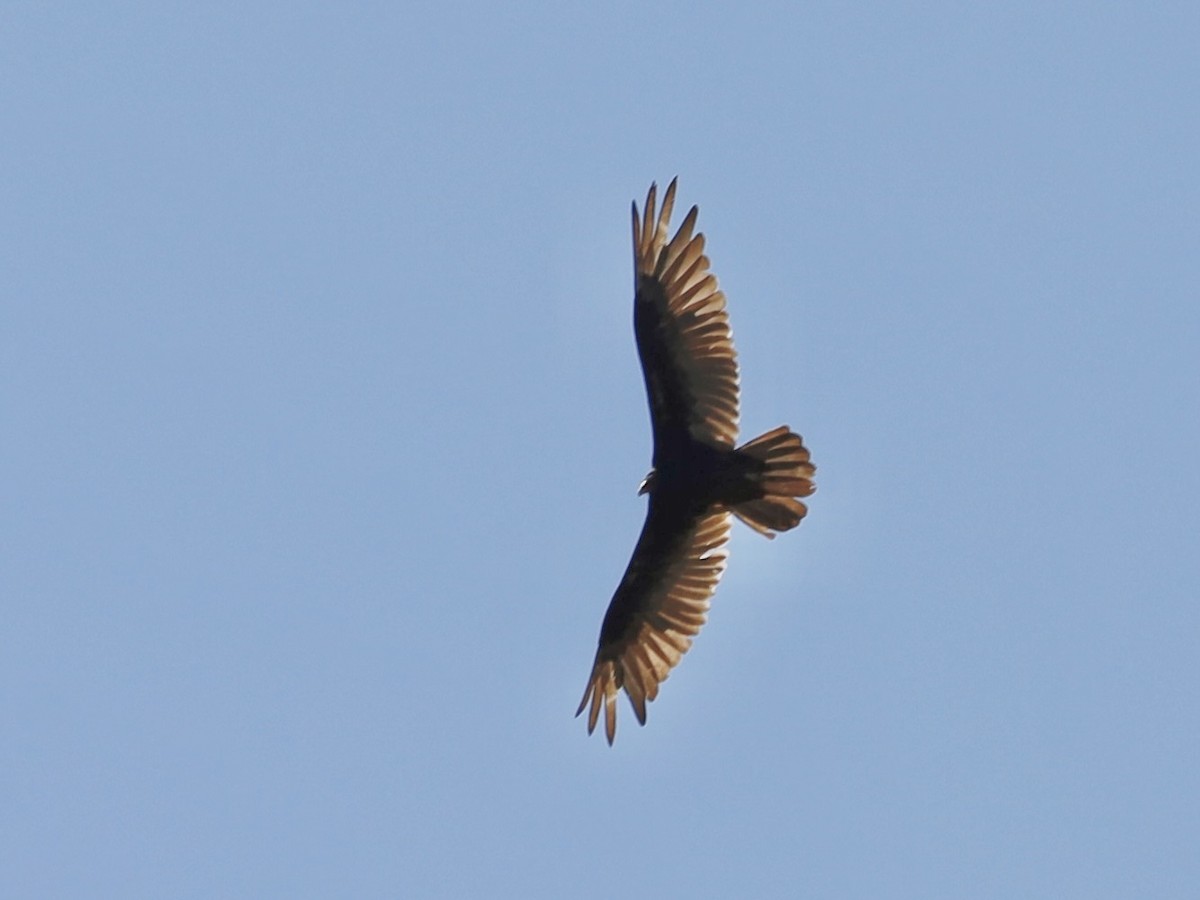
(647, 484)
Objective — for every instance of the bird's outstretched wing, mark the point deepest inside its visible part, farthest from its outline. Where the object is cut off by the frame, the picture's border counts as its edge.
(683, 335)
(657, 609)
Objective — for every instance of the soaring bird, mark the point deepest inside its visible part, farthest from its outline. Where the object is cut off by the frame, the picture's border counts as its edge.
(699, 475)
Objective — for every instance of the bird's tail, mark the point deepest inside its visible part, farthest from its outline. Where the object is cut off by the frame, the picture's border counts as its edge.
(787, 473)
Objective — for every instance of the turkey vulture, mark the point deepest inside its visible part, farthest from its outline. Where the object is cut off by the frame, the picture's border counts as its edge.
(698, 477)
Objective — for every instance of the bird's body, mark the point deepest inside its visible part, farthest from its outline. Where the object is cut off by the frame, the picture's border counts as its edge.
(699, 478)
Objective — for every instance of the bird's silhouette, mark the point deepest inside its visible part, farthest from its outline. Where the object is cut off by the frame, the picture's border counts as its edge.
(699, 476)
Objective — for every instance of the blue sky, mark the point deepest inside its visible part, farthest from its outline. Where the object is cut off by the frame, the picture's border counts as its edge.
(323, 424)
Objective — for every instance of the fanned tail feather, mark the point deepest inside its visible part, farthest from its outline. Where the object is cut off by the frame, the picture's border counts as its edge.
(787, 474)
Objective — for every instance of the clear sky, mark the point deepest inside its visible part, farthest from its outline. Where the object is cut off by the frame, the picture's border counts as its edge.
(321, 425)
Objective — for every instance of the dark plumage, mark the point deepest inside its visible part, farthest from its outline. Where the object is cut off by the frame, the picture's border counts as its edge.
(698, 479)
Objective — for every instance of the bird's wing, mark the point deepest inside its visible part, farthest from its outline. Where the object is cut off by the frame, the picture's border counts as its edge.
(682, 331)
(657, 609)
